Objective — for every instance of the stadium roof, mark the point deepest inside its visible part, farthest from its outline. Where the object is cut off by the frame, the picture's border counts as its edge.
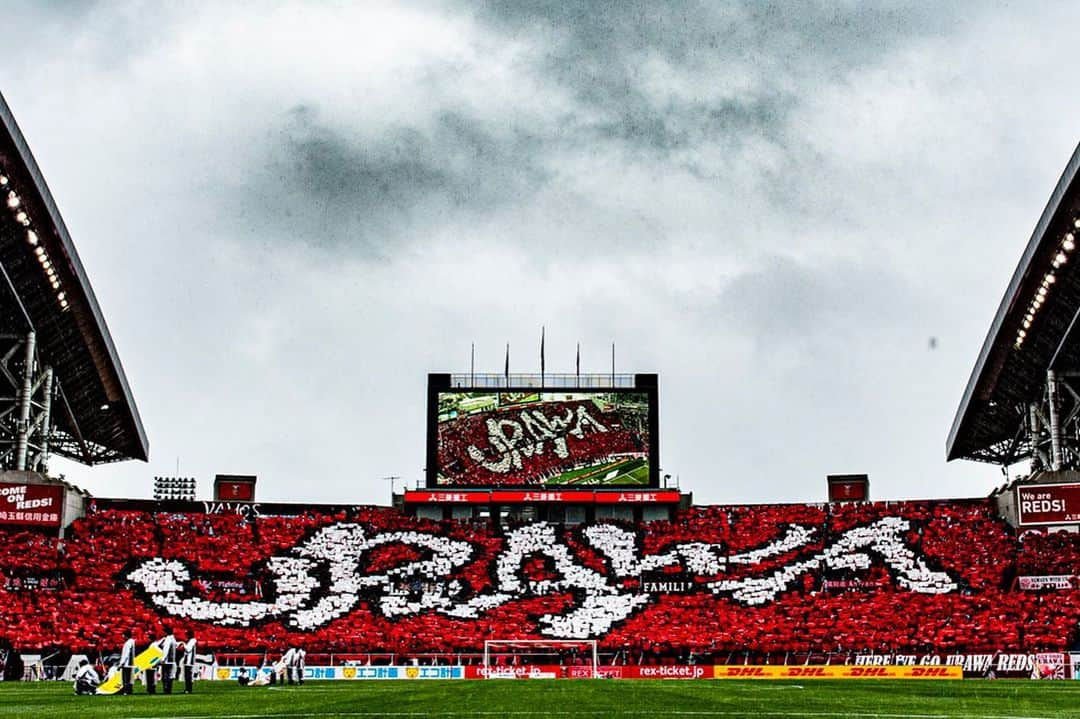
(1036, 328)
(94, 414)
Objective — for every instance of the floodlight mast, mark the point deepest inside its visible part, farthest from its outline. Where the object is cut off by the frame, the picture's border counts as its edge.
(26, 394)
(1051, 433)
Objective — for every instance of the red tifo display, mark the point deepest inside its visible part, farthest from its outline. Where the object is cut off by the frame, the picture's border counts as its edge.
(914, 576)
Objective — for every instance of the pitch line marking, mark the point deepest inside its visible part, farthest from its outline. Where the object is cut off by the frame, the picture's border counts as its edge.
(862, 715)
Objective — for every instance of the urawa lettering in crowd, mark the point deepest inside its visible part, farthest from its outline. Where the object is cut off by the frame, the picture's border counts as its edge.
(323, 577)
(530, 431)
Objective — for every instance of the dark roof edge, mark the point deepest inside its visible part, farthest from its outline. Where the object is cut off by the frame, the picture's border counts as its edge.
(1038, 238)
(27, 157)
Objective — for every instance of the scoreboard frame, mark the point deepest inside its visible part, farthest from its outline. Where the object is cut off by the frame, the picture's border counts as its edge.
(646, 384)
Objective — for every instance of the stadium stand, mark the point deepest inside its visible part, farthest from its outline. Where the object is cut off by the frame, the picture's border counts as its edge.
(954, 593)
(1054, 553)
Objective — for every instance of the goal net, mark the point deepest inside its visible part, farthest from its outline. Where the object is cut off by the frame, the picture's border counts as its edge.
(540, 658)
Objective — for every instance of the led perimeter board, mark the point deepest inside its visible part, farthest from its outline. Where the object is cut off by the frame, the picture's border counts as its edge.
(549, 437)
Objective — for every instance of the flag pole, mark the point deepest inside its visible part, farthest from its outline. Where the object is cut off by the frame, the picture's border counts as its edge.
(577, 366)
(541, 357)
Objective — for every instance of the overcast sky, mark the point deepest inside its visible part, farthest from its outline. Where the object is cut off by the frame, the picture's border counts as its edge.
(292, 213)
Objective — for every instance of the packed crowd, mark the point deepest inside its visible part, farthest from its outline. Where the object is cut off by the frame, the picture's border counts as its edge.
(532, 443)
(1045, 553)
(904, 576)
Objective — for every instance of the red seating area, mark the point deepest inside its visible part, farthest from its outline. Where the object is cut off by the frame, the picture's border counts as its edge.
(1049, 553)
(966, 604)
(463, 440)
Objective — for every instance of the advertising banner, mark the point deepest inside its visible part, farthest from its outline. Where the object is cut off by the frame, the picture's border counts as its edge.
(554, 671)
(348, 672)
(1058, 581)
(1004, 665)
(437, 496)
(34, 582)
(1044, 504)
(842, 671)
(631, 497)
(39, 505)
(1049, 665)
(845, 585)
(561, 497)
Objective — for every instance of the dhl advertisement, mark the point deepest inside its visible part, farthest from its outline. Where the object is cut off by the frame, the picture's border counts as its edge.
(836, 672)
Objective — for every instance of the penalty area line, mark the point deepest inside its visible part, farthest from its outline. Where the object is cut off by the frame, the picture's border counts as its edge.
(599, 713)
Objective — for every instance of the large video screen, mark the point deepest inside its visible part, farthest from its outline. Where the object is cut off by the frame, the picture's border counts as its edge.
(562, 439)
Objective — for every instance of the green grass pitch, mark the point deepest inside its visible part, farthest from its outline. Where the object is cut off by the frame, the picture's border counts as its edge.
(862, 699)
(630, 472)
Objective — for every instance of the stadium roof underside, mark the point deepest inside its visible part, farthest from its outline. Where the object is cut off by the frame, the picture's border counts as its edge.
(44, 290)
(1036, 330)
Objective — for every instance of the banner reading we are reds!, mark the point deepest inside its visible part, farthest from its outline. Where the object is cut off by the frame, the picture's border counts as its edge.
(37, 505)
(1042, 504)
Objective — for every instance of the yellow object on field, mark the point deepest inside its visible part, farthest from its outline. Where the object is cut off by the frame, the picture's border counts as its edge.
(147, 659)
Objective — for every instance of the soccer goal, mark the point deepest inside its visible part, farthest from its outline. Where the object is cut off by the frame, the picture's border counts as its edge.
(534, 658)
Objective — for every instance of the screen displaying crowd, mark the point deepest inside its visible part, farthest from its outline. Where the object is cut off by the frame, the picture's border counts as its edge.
(553, 439)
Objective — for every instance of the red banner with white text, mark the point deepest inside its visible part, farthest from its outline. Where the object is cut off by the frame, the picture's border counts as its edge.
(37, 505)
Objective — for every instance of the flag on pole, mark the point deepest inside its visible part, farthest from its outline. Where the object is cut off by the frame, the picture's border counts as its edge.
(506, 371)
(541, 355)
(577, 365)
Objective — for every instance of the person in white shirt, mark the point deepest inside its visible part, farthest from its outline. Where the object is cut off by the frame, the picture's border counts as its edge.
(168, 660)
(127, 663)
(284, 667)
(86, 679)
(187, 662)
(298, 664)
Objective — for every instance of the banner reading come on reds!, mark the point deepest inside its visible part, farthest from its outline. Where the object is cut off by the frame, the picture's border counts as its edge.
(1045, 504)
(36, 505)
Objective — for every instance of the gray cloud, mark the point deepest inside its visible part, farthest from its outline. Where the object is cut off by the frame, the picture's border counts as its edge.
(784, 301)
(291, 215)
(784, 50)
(738, 72)
(338, 190)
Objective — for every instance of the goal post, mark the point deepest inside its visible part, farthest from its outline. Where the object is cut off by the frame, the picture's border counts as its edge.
(501, 656)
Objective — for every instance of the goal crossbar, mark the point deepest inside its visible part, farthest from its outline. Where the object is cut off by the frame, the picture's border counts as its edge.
(492, 649)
